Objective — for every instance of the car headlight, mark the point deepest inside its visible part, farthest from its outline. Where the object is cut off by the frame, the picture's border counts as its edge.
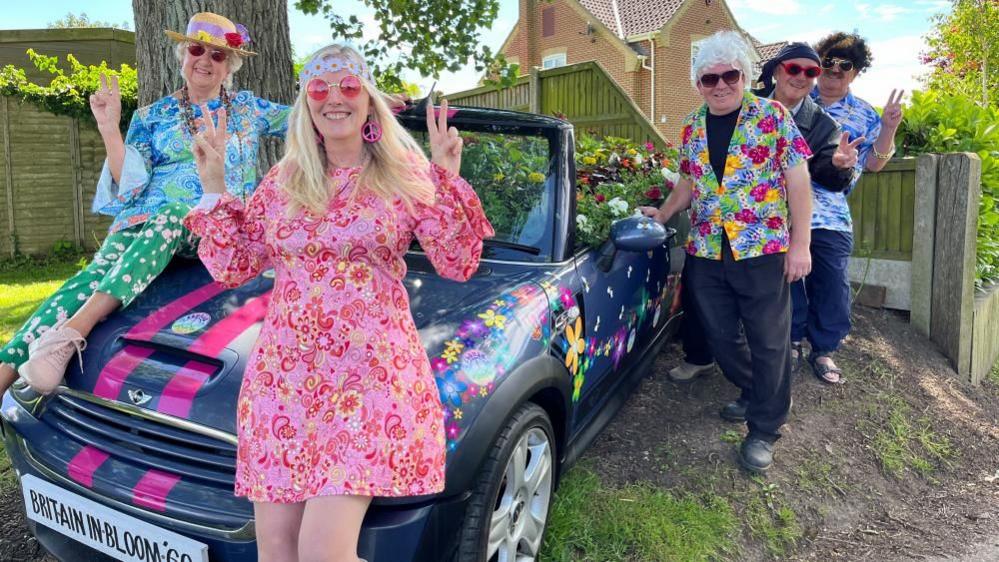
(24, 395)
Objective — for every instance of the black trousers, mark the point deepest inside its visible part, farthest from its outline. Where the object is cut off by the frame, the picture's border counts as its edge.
(752, 293)
(695, 343)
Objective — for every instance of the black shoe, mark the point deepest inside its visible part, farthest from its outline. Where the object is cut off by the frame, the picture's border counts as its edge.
(756, 455)
(734, 411)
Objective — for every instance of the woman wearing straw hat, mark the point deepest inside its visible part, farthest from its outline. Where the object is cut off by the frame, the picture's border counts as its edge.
(148, 184)
(338, 402)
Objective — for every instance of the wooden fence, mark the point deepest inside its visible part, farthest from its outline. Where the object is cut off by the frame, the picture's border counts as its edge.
(604, 110)
(49, 167)
(88, 45)
(883, 207)
(962, 320)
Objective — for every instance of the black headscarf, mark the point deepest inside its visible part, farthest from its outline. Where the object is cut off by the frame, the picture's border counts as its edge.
(790, 51)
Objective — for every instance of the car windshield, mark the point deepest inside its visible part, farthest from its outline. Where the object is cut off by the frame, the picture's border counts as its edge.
(513, 175)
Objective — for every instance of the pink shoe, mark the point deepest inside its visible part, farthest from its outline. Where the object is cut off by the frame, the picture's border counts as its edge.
(48, 357)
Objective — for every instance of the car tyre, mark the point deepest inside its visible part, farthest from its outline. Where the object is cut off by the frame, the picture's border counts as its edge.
(512, 495)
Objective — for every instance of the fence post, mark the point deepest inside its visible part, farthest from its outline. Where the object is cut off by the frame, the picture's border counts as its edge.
(534, 90)
(923, 236)
(953, 289)
(9, 174)
(75, 161)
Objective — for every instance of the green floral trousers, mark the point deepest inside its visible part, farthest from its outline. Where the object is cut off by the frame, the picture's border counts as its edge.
(123, 267)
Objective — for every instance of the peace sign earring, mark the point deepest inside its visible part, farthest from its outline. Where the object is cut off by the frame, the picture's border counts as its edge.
(371, 132)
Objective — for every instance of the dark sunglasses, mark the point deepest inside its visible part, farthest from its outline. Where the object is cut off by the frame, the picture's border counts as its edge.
(795, 69)
(845, 65)
(731, 77)
(197, 50)
(319, 89)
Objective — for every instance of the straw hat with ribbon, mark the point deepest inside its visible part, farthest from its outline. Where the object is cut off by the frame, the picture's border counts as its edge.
(216, 31)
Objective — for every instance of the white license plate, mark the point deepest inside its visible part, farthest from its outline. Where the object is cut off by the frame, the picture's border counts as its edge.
(115, 534)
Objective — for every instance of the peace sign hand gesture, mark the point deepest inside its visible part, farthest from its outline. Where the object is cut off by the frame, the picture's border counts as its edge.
(445, 144)
(846, 154)
(891, 116)
(209, 152)
(105, 103)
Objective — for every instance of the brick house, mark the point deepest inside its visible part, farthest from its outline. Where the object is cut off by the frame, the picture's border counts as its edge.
(646, 46)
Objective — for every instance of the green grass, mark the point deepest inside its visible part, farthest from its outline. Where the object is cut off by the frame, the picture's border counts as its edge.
(770, 520)
(593, 522)
(24, 287)
(24, 284)
(903, 442)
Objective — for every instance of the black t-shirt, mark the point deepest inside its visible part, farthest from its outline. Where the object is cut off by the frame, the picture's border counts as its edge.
(720, 129)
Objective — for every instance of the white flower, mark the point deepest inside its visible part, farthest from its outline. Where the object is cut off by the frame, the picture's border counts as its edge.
(618, 206)
(583, 224)
(638, 159)
(670, 175)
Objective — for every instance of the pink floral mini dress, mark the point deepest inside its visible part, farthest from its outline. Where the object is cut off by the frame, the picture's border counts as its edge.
(338, 397)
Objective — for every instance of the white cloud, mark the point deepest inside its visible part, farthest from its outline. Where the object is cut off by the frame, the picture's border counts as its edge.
(934, 5)
(896, 65)
(828, 8)
(774, 7)
(889, 12)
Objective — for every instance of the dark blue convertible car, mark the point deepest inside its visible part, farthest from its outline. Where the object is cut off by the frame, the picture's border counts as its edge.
(133, 458)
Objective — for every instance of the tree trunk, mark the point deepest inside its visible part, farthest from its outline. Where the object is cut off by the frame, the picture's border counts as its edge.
(269, 74)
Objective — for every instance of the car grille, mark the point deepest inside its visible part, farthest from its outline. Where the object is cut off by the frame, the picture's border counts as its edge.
(142, 441)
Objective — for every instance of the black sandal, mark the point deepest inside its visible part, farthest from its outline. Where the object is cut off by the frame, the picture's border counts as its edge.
(822, 371)
(797, 353)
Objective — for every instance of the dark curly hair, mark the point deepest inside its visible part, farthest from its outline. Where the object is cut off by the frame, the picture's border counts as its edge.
(847, 46)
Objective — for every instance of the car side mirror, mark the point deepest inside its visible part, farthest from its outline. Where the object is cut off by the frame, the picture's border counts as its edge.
(638, 234)
(633, 234)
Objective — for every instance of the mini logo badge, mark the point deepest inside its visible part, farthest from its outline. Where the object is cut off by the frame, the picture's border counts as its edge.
(190, 323)
(138, 397)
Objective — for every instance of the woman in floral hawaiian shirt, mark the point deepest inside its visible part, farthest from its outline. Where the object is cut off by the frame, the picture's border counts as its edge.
(744, 175)
(148, 184)
(338, 403)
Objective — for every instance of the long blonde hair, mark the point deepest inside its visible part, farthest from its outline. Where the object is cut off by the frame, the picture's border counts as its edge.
(397, 166)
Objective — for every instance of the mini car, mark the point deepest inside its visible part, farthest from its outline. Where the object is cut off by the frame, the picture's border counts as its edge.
(133, 457)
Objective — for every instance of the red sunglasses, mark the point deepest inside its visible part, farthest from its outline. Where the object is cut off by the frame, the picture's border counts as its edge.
(795, 69)
(731, 77)
(197, 50)
(319, 89)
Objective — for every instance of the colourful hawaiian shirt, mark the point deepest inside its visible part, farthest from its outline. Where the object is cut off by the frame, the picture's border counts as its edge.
(830, 211)
(159, 165)
(750, 205)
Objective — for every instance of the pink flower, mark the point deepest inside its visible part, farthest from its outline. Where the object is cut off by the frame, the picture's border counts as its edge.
(599, 198)
(772, 247)
(758, 154)
(746, 216)
(654, 193)
(775, 223)
(759, 193)
(767, 124)
(649, 146)
(704, 228)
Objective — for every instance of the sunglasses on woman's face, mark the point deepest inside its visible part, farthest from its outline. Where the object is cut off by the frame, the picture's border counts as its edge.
(731, 77)
(795, 69)
(319, 89)
(198, 50)
(845, 65)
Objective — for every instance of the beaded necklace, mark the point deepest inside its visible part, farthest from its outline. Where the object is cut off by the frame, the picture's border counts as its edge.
(192, 128)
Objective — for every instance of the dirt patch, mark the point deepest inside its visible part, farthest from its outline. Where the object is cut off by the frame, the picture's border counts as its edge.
(902, 403)
(900, 463)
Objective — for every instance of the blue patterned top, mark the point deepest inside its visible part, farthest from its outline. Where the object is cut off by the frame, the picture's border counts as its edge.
(159, 165)
(830, 211)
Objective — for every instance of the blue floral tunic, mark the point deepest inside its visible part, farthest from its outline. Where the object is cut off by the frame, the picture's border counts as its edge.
(159, 165)
(830, 210)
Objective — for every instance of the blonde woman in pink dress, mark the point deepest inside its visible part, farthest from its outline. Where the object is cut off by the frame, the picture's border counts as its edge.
(338, 403)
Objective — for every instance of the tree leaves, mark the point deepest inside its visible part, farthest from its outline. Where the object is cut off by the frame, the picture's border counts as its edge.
(427, 36)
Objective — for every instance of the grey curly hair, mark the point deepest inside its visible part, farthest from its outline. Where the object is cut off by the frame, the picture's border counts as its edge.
(233, 61)
(724, 47)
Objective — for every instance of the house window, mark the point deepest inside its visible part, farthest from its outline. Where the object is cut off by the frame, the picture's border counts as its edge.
(548, 22)
(551, 61)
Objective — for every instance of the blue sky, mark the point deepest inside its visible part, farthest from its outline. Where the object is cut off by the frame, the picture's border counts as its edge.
(894, 29)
